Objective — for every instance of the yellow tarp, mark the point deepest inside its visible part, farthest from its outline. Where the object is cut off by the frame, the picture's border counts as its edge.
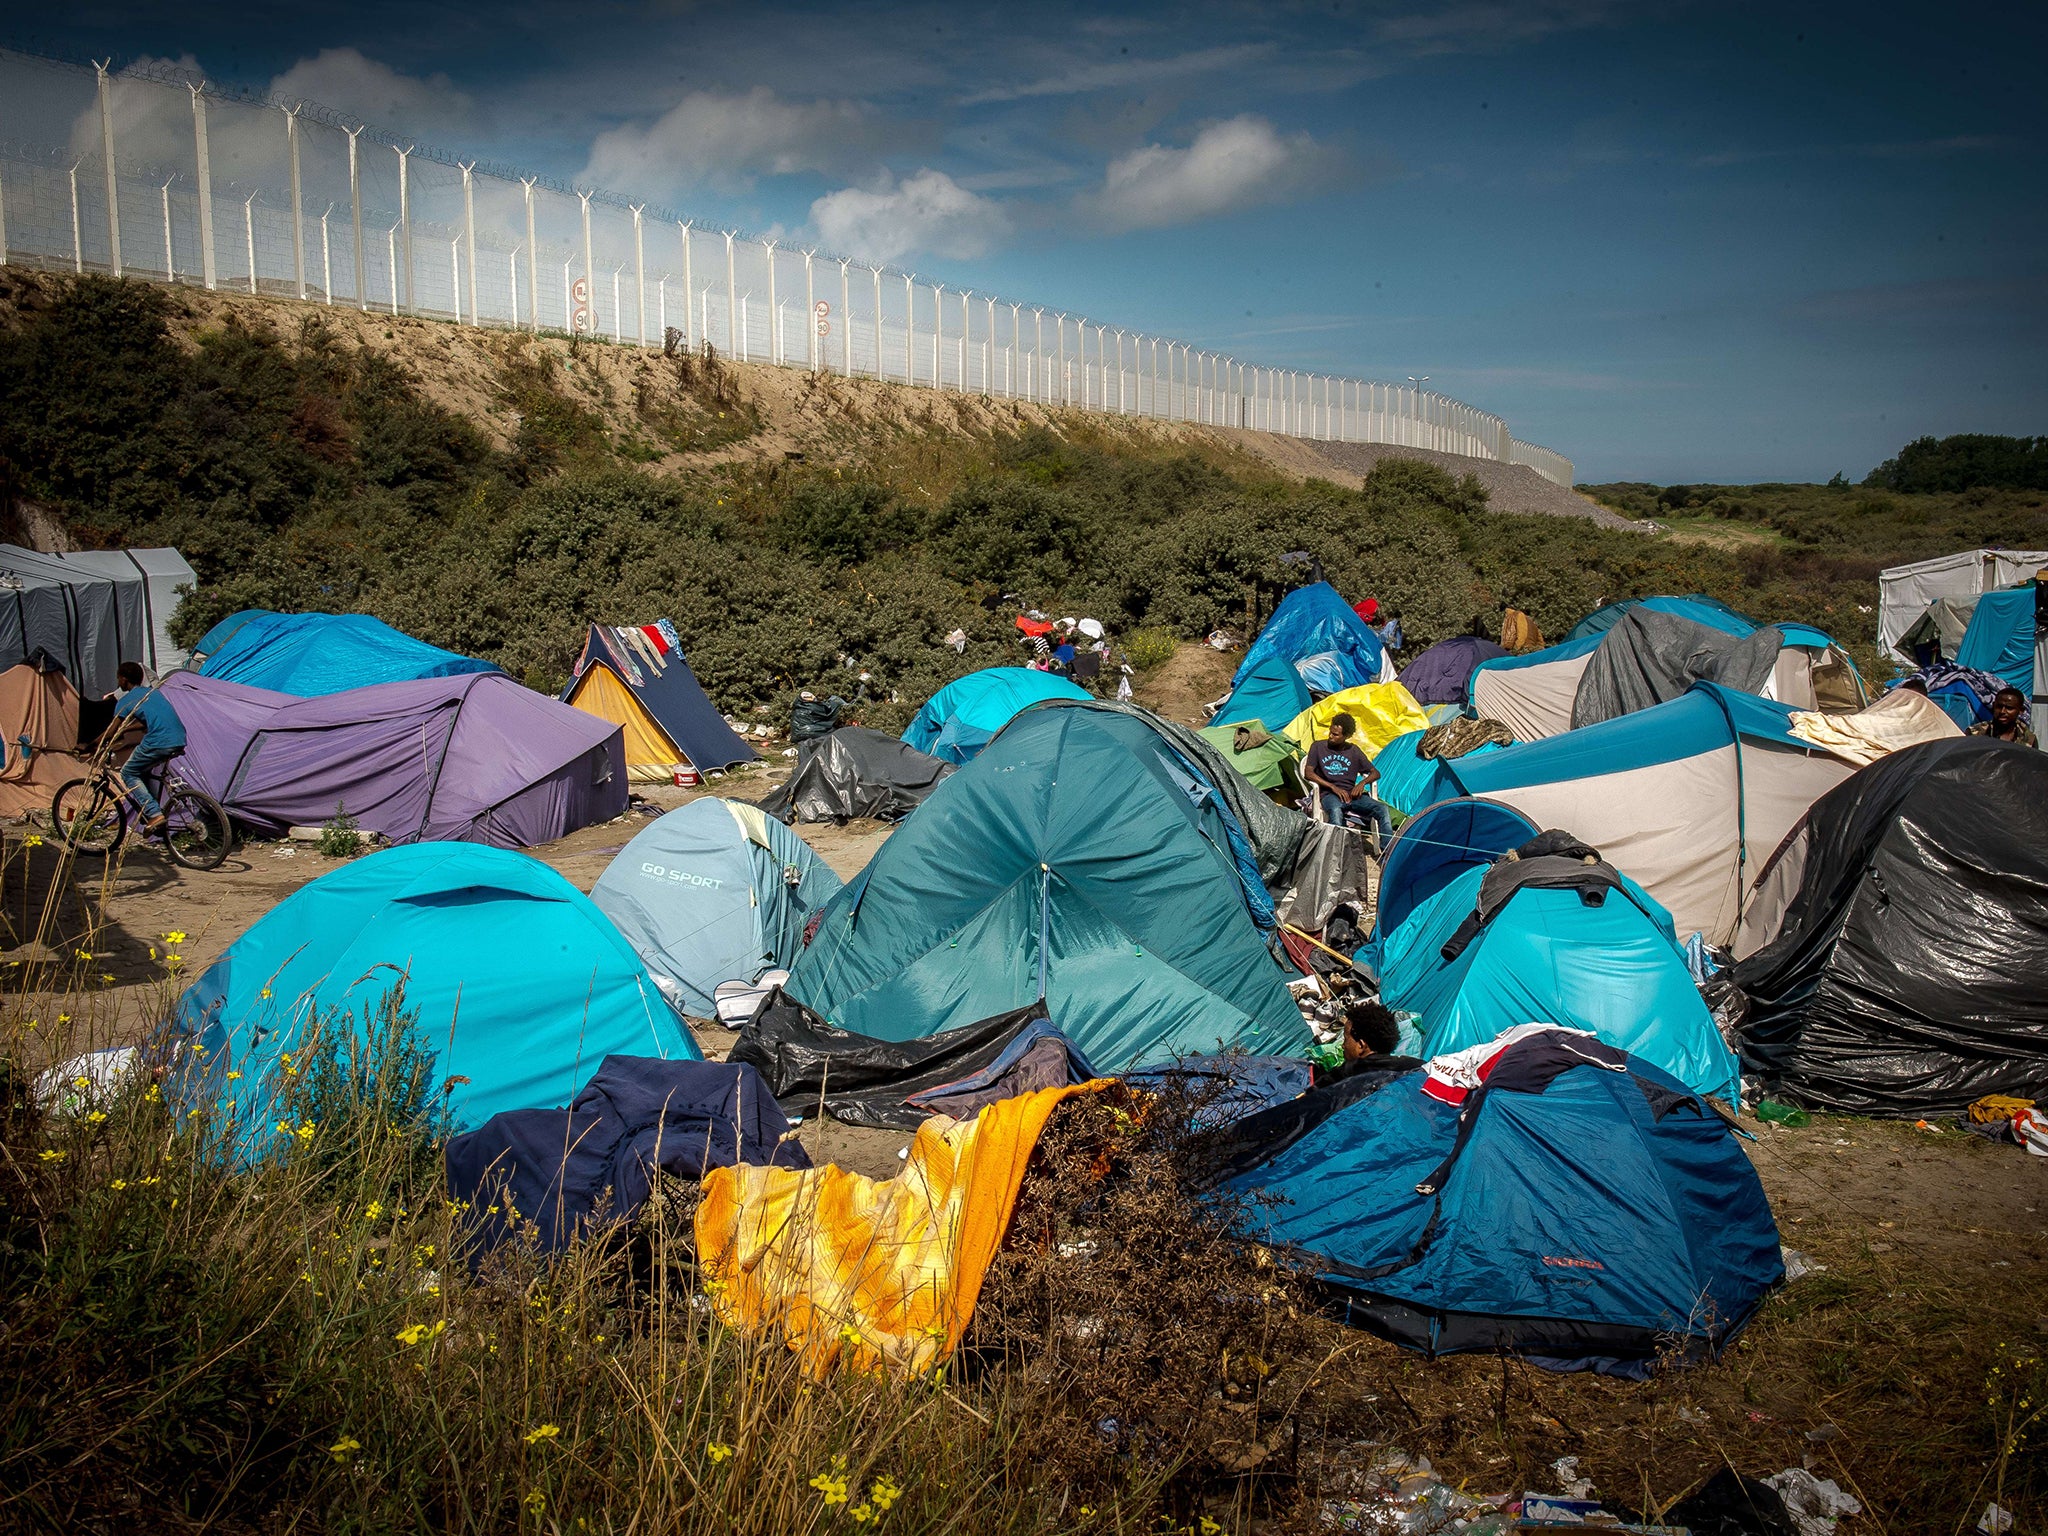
(1902, 718)
(871, 1272)
(649, 752)
(1382, 710)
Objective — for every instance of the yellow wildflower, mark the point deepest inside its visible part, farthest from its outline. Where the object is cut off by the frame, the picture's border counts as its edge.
(264, 994)
(883, 1492)
(418, 1332)
(63, 1018)
(118, 1184)
(536, 1501)
(374, 1209)
(154, 1096)
(99, 1115)
(174, 937)
(233, 1075)
(345, 1447)
(544, 1432)
(718, 1451)
(51, 1155)
(305, 1132)
(31, 841)
(830, 1489)
(861, 1514)
(1210, 1527)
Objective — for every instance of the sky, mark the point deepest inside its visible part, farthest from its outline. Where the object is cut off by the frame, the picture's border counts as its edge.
(1676, 242)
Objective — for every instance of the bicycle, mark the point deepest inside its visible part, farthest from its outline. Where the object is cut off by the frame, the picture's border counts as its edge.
(92, 816)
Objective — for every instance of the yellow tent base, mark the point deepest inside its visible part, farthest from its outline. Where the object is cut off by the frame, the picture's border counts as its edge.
(650, 755)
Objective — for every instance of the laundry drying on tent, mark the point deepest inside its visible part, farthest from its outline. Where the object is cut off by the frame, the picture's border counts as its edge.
(1689, 798)
(1542, 1193)
(635, 676)
(713, 891)
(1381, 712)
(1902, 718)
(518, 985)
(1651, 652)
(1443, 673)
(1485, 924)
(962, 717)
(470, 758)
(1269, 761)
(1109, 878)
(1894, 951)
(855, 772)
(310, 655)
(571, 1173)
(1314, 631)
(91, 610)
(46, 733)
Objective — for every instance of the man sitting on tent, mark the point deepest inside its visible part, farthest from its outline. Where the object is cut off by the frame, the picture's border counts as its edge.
(163, 737)
(1341, 777)
(1372, 1043)
(2008, 720)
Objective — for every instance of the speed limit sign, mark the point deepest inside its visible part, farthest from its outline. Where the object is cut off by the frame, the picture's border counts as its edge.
(583, 321)
(822, 309)
(824, 327)
(580, 292)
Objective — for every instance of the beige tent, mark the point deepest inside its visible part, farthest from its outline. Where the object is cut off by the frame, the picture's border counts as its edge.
(39, 718)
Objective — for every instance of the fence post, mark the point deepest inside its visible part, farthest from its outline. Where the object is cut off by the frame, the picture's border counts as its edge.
(689, 289)
(845, 320)
(107, 154)
(938, 334)
(3, 222)
(355, 214)
(326, 258)
(811, 348)
(512, 280)
(77, 235)
(469, 235)
(732, 300)
(878, 323)
(618, 309)
(405, 224)
(589, 274)
(965, 326)
(455, 278)
(640, 277)
(988, 360)
(774, 310)
(909, 331)
(249, 231)
(291, 139)
(532, 266)
(170, 256)
(391, 264)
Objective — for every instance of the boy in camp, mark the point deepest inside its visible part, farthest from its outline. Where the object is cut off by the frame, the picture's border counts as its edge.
(1341, 777)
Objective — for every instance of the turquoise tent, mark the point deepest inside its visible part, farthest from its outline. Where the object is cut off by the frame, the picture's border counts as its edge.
(310, 655)
(1410, 781)
(713, 891)
(1080, 859)
(959, 720)
(2001, 640)
(1545, 956)
(1272, 693)
(521, 986)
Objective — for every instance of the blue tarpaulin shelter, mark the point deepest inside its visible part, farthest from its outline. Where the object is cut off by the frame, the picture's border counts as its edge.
(1101, 872)
(520, 985)
(713, 891)
(2002, 640)
(961, 718)
(1315, 625)
(311, 655)
(1584, 1215)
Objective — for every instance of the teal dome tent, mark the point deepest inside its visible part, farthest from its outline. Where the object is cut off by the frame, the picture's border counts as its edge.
(962, 717)
(1079, 858)
(520, 985)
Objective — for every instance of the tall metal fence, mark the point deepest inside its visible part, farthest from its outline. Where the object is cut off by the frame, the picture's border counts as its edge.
(152, 172)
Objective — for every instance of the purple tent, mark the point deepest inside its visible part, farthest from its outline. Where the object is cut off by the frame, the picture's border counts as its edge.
(1441, 674)
(476, 758)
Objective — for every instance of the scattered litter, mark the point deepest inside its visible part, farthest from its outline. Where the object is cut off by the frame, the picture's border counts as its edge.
(1403, 1497)
(1928, 1126)
(1694, 1416)
(902, 1154)
(1568, 1480)
(83, 1081)
(1798, 1266)
(1814, 1503)
(1771, 1112)
(284, 851)
(2030, 1130)
(1823, 1432)
(1994, 1521)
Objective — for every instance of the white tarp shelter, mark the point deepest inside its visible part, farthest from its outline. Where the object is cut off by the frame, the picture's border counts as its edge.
(91, 610)
(1904, 591)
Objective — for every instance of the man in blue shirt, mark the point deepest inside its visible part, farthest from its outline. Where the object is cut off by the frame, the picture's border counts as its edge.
(1342, 777)
(163, 737)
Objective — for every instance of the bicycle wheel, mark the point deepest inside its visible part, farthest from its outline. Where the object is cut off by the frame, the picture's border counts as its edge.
(198, 835)
(89, 817)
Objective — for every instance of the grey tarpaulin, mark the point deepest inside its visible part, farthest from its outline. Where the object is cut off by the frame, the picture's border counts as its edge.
(1274, 832)
(1651, 658)
(90, 611)
(1906, 971)
(854, 771)
(1329, 871)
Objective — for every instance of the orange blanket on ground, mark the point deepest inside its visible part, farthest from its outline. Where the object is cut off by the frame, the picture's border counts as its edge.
(871, 1272)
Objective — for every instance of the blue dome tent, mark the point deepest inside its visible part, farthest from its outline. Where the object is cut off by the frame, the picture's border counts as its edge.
(521, 986)
(962, 717)
(310, 655)
(1271, 693)
(1577, 1206)
(713, 891)
(1472, 946)
(1314, 625)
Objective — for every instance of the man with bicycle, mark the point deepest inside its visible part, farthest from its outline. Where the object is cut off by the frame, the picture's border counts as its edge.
(163, 738)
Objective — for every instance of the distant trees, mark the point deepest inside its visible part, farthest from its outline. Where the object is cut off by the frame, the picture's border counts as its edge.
(1966, 462)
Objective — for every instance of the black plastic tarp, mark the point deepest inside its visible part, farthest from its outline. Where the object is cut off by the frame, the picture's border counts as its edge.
(854, 771)
(565, 1170)
(865, 1081)
(1650, 658)
(1909, 973)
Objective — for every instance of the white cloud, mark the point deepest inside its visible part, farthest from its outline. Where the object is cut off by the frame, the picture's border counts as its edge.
(375, 93)
(1229, 165)
(928, 212)
(1124, 74)
(727, 139)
